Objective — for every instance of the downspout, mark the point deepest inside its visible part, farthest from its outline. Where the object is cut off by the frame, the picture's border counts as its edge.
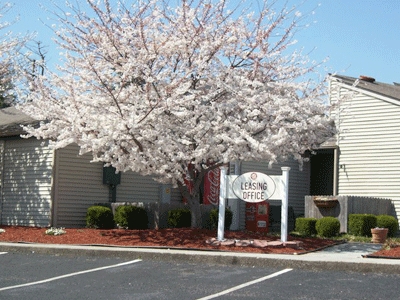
(2, 155)
(54, 190)
(336, 149)
(335, 170)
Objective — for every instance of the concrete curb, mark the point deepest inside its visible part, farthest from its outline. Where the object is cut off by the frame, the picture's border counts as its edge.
(309, 261)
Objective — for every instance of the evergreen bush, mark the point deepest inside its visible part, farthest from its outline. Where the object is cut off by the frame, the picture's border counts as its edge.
(327, 227)
(99, 217)
(131, 217)
(306, 226)
(105, 204)
(390, 222)
(361, 224)
(179, 218)
(214, 216)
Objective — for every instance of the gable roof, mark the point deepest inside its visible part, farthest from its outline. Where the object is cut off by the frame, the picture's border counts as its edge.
(11, 120)
(369, 84)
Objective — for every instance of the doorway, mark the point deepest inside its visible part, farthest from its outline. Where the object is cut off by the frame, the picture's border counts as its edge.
(322, 172)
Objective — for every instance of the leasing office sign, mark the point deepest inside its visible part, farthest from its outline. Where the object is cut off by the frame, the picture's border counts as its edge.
(253, 187)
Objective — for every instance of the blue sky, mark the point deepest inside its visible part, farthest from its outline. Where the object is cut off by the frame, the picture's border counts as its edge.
(358, 37)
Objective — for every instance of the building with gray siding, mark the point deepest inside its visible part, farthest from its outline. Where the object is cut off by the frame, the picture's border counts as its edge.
(40, 186)
(45, 187)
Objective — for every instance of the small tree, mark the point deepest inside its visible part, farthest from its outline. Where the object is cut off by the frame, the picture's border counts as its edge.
(7, 95)
(10, 46)
(177, 91)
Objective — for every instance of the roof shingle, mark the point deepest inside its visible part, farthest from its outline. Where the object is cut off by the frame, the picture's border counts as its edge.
(380, 88)
(11, 120)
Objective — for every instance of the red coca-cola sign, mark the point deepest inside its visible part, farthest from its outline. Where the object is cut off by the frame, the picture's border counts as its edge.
(211, 187)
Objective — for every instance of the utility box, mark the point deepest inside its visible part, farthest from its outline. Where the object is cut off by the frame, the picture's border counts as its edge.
(165, 193)
(257, 216)
(110, 177)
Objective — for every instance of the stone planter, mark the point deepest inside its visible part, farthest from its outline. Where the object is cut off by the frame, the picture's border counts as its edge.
(379, 235)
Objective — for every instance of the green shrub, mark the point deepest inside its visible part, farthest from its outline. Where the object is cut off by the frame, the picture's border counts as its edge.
(327, 227)
(179, 218)
(214, 216)
(361, 224)
(131, 217)
(390, 222)
(99, 217)
(105, 204)
(306, 226)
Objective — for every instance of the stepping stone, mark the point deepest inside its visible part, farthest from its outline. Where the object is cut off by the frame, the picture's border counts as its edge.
(243, 243)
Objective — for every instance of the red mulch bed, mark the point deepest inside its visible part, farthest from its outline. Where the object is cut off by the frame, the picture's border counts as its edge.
(393, 252)
(180, 238)
(167, 238)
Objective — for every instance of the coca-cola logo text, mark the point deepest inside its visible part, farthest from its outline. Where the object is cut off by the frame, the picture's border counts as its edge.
(213, 181)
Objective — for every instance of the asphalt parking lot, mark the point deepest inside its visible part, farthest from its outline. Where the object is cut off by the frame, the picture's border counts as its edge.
(38, 276)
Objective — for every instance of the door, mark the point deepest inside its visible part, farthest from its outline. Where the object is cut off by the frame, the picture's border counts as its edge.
(322, 172)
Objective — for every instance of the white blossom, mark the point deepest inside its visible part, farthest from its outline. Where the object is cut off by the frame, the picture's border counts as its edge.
(154, 89)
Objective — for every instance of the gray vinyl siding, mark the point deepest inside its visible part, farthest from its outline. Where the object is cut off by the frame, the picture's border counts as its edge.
(176, 196)
(369, 142)
(79, 184)
(27, 183)
(138, 188)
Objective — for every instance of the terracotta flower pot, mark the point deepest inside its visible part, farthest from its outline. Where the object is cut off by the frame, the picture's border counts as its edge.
(379, 235)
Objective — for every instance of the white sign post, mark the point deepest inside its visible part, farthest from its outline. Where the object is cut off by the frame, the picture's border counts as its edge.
(222, 197)
(285, 204)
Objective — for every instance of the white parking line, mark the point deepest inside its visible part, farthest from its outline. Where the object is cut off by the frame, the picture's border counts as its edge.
(3, 253)
(241, 286)
(69, 275)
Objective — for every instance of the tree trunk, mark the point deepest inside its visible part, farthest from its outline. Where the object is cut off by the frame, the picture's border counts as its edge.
(194, 203)
(193, 199)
